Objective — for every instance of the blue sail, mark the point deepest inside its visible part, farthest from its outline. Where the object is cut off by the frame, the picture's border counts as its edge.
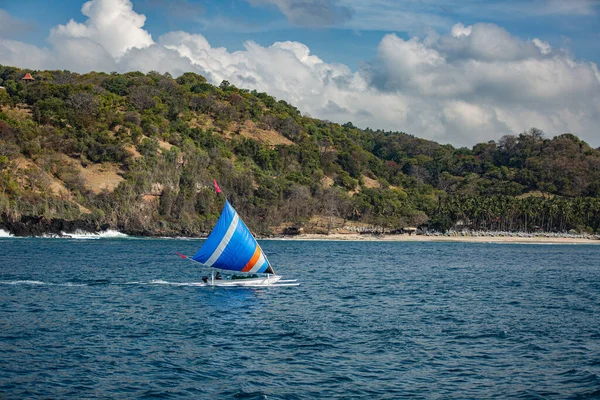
(231, 246)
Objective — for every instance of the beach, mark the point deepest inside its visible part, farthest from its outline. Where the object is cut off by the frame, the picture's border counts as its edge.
(448, 238)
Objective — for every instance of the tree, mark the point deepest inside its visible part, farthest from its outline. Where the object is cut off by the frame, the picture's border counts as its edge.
(82, 109)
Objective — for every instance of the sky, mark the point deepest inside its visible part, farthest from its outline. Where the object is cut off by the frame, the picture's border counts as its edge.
(453, 71)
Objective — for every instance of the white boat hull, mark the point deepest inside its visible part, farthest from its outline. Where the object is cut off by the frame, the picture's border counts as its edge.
(267, 281)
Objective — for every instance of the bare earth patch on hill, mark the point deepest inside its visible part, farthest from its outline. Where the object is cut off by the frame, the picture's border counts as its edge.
(164, 145)
(270, 137)
(537, 194)
(327, 182)
(99, 177)
(370, 183)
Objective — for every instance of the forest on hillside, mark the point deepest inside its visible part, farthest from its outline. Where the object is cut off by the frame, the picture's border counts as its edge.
(138, 152)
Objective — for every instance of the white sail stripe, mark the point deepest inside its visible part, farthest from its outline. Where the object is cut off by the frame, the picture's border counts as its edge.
(224, 242)
(263, 254)
(259, 263)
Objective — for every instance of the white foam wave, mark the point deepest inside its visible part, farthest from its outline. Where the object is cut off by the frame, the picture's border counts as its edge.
(5, 234)
(107, 234)
(50, 236)
(23, 282)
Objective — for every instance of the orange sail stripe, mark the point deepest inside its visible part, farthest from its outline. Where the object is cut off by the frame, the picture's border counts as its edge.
(253, 260)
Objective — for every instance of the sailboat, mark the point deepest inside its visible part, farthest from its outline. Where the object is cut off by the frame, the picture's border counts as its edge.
(231, 247)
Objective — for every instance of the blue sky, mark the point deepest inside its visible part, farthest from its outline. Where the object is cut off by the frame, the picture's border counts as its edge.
(457, 71)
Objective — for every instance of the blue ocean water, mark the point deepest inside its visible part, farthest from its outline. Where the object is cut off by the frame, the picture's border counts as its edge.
(117, 318)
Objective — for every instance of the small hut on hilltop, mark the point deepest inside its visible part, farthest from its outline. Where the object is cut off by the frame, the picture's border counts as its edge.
(28, 78)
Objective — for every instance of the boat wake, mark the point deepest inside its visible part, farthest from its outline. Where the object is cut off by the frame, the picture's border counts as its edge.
(40, 283)
(97, 282)
(161, 282)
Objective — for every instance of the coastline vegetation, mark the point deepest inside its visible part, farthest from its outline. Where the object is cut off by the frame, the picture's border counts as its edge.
(138, 152)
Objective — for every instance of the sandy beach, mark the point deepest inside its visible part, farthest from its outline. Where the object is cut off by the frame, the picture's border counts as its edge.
(441, 238)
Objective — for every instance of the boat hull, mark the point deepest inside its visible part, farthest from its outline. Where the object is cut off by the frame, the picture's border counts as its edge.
(270, 280)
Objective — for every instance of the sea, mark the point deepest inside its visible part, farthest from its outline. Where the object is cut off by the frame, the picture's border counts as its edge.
(106, 317)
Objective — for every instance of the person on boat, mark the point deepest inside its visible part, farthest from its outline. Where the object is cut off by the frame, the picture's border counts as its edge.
(205, 279)
(218, 276)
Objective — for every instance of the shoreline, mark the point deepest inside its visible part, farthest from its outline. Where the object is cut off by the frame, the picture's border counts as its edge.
(342, 237)
(355, 237)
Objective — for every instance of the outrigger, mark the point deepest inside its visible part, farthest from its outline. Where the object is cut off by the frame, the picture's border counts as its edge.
(232, 247)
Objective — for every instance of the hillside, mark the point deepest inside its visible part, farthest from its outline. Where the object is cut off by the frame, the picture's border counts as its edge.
(138, 152)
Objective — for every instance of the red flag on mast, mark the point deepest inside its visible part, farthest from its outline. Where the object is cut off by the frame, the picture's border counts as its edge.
(217, 188)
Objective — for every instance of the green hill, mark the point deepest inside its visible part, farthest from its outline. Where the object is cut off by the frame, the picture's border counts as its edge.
(138, 152)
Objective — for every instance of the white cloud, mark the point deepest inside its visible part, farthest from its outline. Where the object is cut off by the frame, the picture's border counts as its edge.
(111, 23)
(486, 83)
(460, 30)
(13, 52)
(544, 47)
(485, 42)
(473, 84)
(156, 58)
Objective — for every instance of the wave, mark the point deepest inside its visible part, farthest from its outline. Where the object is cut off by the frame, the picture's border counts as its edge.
(5, 234)
(107, 234)
(78, 234)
